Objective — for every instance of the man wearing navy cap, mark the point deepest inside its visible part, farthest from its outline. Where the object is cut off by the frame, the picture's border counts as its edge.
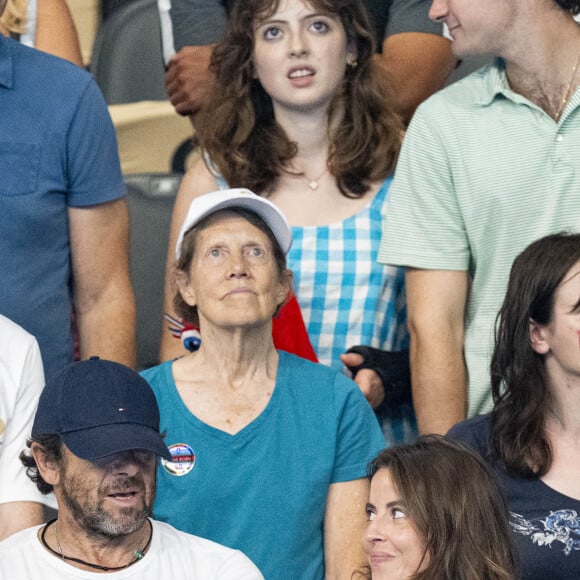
(94, 442)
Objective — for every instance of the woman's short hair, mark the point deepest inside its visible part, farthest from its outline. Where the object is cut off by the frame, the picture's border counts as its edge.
(455, 505)
(237, 128)
(183, 265)
(518, 376)
(51, 446)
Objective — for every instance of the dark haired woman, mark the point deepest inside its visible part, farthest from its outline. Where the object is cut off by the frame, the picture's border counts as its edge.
(436, 513)
(298, 116)
(532, 437)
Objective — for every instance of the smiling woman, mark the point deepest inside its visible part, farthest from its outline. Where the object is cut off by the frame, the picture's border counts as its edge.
(435, 513)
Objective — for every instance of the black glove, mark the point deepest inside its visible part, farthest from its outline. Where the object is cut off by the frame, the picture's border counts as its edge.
(393, 369)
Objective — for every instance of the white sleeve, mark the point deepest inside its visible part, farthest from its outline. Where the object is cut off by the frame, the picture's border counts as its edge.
(239, 567)
(21, 381)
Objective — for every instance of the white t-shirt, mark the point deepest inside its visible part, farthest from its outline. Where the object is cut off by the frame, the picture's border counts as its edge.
(21, 382)
(173, 555)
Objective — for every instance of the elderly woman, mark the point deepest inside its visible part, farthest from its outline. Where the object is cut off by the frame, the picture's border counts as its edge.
(435, 513)
(531, 437)
(270, 450)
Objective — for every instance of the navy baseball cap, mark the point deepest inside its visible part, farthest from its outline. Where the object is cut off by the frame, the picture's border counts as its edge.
(99, 407)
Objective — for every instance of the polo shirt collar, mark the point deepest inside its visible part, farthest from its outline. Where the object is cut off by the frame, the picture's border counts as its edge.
(495, 83)
(5, 62)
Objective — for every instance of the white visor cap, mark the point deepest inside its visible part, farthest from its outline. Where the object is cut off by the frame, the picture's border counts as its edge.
(209, 203)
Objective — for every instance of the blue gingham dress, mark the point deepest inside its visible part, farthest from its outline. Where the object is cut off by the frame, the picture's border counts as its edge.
(347, 298)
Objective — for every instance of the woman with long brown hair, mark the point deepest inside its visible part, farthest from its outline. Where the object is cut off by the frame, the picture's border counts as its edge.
(436, 513)
(299, 116)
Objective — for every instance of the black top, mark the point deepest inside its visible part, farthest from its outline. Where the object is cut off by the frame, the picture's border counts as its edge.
(544, 522)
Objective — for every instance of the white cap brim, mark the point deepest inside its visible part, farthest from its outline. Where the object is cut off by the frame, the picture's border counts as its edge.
(209, 203)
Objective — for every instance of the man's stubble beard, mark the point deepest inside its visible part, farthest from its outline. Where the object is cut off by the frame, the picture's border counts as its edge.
(97, 520)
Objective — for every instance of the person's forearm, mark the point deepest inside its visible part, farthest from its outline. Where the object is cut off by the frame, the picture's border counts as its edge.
(188, 80)
(107, 327)
(438, 378)
(102, 292)
(417, 66)
(18, 515)
(436, 302)
(343, 529)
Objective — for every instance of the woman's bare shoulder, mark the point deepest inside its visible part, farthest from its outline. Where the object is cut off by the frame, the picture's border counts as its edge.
(198, 180)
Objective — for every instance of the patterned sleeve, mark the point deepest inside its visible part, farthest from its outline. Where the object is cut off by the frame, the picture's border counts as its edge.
(424, 225)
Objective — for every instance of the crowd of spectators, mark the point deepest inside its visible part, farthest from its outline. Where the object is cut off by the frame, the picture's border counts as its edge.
(420, 234)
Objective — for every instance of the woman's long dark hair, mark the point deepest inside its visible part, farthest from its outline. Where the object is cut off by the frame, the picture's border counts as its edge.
(518, 378)
(237, 128)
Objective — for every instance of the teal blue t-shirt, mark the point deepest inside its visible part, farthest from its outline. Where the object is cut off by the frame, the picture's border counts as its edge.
(263, 490)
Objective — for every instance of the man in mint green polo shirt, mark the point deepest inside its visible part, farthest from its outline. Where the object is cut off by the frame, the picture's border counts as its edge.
(488, 165)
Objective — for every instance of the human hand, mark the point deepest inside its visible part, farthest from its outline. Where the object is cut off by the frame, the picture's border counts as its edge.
(188, 80)
(368, 381)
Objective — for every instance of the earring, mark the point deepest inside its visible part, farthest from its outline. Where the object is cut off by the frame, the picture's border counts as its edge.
(352, 64)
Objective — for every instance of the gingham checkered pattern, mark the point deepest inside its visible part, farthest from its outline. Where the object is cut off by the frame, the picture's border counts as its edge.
(346, 297)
